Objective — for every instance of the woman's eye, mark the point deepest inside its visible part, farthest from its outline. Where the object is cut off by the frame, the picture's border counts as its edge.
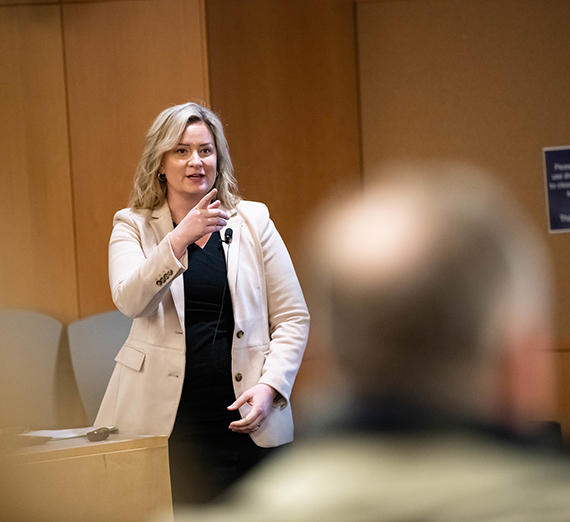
(181, 151)
(206, 151)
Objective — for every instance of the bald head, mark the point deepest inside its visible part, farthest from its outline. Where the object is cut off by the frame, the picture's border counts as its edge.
(430, 274)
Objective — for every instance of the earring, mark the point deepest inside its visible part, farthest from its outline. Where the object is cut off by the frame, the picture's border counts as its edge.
(162, 176)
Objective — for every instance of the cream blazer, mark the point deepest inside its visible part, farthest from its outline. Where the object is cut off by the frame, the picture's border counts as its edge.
(270, 314)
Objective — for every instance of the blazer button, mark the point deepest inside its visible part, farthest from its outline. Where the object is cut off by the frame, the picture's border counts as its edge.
(240, 334)
(239, 377)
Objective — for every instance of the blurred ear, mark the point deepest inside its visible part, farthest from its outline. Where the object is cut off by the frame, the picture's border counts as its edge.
(528, 379)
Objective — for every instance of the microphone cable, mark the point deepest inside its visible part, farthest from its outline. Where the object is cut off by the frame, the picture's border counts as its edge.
(228, 237)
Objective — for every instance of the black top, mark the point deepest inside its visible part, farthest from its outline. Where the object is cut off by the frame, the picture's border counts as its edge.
(209, 321)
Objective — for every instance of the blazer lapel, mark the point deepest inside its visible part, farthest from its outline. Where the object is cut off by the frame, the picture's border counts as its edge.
(161, 224)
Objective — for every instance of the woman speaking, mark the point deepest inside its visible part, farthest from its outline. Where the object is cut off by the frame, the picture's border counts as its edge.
(220, 322)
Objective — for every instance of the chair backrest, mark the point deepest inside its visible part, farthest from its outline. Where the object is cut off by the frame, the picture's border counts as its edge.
(29, 347)
(94, 343)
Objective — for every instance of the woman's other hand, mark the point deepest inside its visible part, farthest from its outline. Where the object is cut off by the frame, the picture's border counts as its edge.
(203, 219)
(260, 398)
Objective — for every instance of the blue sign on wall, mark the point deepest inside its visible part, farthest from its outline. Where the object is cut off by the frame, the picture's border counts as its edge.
(557, 171)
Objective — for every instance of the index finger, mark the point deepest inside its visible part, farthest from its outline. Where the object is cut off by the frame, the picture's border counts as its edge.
(238, 403)
(205, 201)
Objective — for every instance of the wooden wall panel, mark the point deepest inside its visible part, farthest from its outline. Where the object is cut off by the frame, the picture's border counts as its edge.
(481, 81)
(93, 1)
(283, 80)
(126, 62)
(21, 2)
(30, 2)
(37, 264)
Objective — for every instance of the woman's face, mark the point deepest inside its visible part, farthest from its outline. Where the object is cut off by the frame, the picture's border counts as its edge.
(190, 167)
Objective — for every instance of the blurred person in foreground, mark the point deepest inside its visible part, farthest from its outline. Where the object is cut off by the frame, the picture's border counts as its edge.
(433, 290)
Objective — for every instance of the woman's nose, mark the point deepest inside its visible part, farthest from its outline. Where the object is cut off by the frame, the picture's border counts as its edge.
(195, 159)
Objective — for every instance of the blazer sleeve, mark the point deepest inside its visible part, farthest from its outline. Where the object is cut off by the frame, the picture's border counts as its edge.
(288, 316)
(140, 275)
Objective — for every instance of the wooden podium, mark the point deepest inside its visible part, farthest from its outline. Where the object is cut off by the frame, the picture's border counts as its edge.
(120, 479)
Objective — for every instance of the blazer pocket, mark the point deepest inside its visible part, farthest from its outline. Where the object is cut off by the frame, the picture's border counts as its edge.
(131, 358)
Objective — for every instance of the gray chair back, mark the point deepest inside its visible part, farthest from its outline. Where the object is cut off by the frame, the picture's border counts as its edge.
(29, 347)
(94, 343)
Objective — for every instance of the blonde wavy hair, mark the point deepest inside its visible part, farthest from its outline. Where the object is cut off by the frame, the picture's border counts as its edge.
(164, 134)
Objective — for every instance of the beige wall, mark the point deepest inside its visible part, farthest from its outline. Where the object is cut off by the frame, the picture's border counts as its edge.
(283, 77)
(37, 261)
(81, 83)
(479, 81)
